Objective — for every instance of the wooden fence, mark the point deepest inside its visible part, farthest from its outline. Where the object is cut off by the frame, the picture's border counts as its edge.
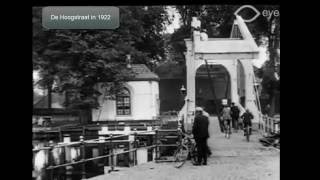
(65, 168)
(269, 125)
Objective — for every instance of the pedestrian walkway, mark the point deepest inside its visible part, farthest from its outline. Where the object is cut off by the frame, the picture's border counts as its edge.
(231, 159)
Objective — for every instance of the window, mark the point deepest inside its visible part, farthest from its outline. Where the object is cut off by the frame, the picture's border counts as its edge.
(123, 102)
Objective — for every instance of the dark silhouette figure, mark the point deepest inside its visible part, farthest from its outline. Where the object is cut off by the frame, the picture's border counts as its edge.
(247, 116)
(201, 134)
(235, 116)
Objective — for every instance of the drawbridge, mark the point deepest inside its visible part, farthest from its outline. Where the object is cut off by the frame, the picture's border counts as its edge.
(235, 54)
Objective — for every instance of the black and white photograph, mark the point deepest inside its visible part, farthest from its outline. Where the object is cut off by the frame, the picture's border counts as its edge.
(156, 92)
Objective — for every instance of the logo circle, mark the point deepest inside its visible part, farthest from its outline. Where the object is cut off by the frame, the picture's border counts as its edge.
(250, 7)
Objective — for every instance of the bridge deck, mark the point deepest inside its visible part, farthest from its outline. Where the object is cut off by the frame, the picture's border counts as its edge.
(232, 159)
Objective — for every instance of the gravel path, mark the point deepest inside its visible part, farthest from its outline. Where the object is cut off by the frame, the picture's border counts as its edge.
(231, 159)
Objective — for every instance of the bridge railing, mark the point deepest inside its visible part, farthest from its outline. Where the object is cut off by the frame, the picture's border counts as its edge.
(269, 125)
(46, 167)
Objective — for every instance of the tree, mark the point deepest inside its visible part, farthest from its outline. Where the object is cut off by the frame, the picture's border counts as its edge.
(79, 59)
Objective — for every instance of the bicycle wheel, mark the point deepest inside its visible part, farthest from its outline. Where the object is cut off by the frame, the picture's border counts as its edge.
(180, 156)
(247, 134)
(226, 129)
(227, 132)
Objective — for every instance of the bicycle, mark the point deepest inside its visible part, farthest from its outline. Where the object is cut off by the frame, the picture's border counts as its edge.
(247, 129)
(186, 150)
(227, 128)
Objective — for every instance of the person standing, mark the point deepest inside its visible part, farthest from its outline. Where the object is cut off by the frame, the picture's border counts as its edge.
(201, 134)
(221, 123)
(207, 115)
(235, 116)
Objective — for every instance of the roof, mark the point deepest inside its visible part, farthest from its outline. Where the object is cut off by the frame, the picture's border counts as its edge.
(143, 73)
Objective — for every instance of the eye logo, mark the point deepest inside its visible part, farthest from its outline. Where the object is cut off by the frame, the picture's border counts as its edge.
(250, 7)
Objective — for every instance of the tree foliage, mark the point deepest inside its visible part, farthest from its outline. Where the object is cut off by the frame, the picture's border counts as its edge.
(79, 59)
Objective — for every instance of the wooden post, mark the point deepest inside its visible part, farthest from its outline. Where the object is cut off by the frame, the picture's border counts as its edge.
(134, 157)
(259, 124)
(111, 145)
(129, 159)
(267, 125)
(49, 88)
(83, 131)
(60, 135)
(63, 161)
(83, 147)
(52, 175)
(135, 145)
(265, 122)
(273, 126)
(270, 125)
(67, 139)
(156, 143)
(101, 144)
(49, 173)
(105, 144)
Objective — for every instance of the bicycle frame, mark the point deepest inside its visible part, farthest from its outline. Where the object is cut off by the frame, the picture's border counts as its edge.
(227, 128)
(247, 131)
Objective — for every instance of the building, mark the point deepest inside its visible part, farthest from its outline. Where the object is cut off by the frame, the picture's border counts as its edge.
(138, 101)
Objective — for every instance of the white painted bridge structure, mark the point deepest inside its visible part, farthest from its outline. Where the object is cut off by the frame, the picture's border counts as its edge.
(237, 51)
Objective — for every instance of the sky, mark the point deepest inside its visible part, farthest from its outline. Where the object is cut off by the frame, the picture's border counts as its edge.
(262, 57)
(35, 76)
(176, 21)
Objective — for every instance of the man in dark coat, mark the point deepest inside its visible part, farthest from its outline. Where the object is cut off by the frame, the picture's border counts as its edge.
(235, 116)
(201, 134)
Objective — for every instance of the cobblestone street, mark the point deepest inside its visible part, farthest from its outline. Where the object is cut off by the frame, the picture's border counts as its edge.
(231, 159)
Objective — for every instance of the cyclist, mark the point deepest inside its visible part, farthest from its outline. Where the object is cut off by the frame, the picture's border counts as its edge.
(247, 116)
(226, 117)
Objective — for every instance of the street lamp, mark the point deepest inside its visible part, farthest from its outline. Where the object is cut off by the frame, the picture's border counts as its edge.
(183, 90)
